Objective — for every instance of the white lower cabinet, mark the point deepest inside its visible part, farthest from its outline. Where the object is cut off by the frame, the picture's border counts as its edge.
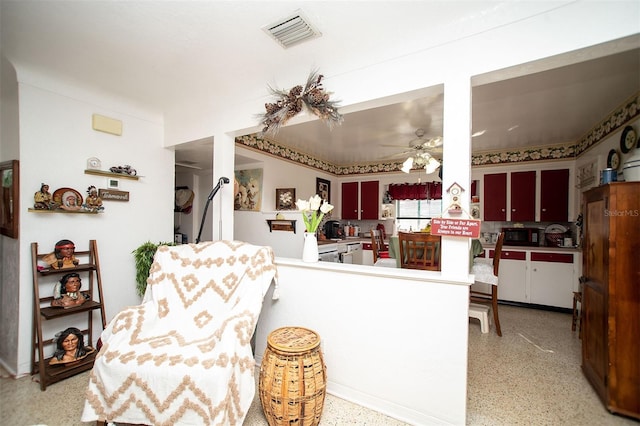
(513, 276)
(552, 276)
(538, 277)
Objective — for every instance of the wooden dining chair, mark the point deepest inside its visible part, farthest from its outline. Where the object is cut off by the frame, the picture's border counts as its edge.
(484, 290)
(419, 250)
(380, 256)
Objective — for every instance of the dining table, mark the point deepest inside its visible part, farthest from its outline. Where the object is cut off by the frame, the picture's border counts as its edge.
(394, 249)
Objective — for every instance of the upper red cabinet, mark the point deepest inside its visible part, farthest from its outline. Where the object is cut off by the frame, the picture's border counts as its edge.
(523, 196)
(495, 197)
(350, 200)
(360, 200)
(554, 195)
(523, 189)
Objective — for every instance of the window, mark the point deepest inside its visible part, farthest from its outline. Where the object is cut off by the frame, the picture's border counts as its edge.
(416, 214)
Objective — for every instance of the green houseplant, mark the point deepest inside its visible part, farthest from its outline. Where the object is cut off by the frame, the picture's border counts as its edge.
(143, 256)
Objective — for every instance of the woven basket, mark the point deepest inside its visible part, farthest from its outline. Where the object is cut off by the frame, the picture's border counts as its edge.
(292, 378)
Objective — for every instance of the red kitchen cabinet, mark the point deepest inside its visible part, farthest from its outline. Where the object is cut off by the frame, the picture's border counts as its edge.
(523, 196)
(369, 200)
(349, 200)
(495, 197)
(360, 200)
(554, 195)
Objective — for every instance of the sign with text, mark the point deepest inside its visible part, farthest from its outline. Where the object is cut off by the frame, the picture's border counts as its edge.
(113, 195)
(469, 228)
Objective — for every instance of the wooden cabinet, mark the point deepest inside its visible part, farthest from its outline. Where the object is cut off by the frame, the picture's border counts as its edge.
(523, 196)
(360, 200)
(554, 195)
(611, 295)
(495, 197)
(44, 280)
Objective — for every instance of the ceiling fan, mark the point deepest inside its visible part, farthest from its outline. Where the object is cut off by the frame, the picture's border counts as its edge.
(420, 152)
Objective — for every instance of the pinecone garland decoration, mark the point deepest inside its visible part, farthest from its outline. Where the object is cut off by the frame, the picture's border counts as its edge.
(290, 103)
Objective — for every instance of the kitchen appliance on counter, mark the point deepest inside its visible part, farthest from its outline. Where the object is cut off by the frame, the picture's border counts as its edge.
(332, 229)
(521, 236)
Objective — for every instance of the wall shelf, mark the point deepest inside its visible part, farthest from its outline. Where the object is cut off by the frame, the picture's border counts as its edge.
(61, 211)
(281, 225)
(110, 174)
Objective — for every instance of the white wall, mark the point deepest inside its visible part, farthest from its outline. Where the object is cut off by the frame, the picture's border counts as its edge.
(395, 343)
(56, 138)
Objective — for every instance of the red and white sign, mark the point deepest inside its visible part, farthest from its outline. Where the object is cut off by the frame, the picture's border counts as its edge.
(469, 228)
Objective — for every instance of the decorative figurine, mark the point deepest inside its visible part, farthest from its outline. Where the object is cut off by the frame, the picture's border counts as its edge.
(126, 170)
(43, 200)
(66, 293)
(93, 203)
(62, 256)
(70, 347)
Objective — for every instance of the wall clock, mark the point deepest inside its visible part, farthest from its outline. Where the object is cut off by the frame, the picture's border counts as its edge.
(613, 160)
(94, 163)
(628, 139)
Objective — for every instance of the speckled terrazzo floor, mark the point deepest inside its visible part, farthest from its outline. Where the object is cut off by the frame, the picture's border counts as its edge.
(529, 376)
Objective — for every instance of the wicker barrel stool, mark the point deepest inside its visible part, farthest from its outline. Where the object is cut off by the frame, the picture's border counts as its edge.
(292, 377)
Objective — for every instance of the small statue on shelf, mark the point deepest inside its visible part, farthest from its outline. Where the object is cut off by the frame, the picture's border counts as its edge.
(93, 203)
(63, 255)
(126, 170)
(70, 347)
(66, 293)
(43, 199)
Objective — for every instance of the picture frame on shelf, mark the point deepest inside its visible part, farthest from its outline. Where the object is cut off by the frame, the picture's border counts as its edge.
(285, 198)
(323, 189)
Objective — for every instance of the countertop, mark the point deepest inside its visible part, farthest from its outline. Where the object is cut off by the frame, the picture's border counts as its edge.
(344, 241)
(534, 248)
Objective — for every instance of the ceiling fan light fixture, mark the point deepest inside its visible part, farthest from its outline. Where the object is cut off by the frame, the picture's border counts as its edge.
(432, 165)
(406, 166)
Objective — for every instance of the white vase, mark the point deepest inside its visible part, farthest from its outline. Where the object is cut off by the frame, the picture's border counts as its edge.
(310, 248)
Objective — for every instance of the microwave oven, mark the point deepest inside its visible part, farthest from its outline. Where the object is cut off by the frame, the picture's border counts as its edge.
(521, 236)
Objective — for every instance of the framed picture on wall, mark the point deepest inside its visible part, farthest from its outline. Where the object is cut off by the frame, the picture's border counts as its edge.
(323, 189)
(249, 191)
(9, 202)
(285, 198)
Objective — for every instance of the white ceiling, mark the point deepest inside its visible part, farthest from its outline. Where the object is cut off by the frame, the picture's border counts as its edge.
(168, 54)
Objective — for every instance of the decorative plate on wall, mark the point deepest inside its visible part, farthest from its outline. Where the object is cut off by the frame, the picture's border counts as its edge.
(68, 198)
(628, 139)
(613, 160)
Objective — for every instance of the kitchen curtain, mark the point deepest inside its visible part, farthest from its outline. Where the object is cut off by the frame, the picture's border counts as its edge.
(416, 191)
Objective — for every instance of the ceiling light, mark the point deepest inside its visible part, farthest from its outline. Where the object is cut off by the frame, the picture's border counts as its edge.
(478, 133)
(406, 166)
(432, 165)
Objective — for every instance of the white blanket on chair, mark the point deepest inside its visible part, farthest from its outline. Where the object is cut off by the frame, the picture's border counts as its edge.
(183, 356)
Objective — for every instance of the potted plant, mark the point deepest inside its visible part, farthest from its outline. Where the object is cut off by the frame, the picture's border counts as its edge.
(143, 256)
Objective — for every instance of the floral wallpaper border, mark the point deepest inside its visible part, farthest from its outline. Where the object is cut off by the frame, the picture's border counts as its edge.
(618, 118)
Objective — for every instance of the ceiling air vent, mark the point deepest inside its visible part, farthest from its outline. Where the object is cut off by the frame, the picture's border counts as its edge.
(292, 30)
